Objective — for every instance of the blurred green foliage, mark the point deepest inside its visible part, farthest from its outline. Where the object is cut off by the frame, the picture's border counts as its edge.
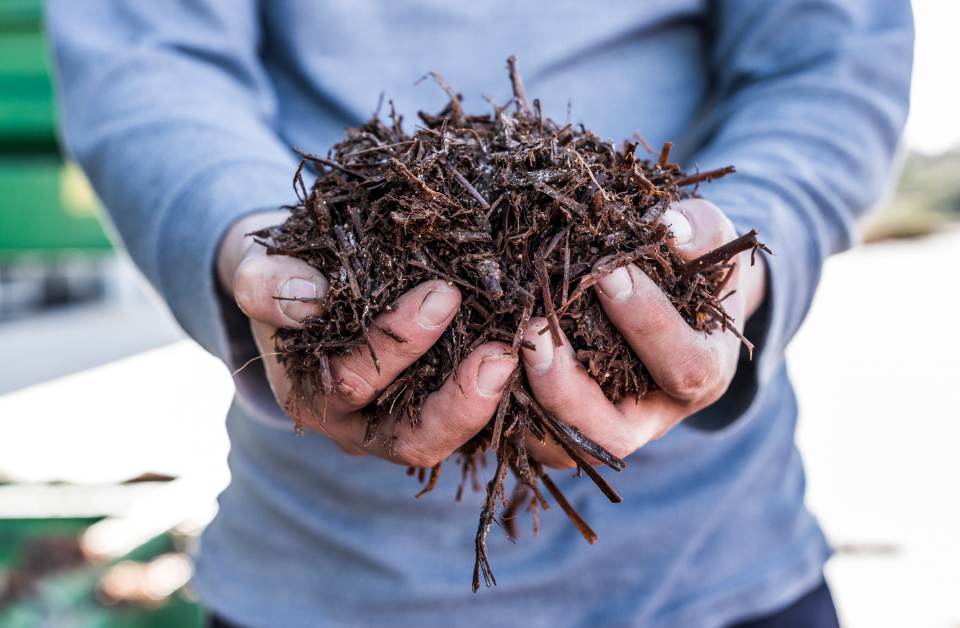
(927, 199)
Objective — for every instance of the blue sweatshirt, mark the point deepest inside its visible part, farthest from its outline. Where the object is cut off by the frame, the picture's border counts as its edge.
(182, 114)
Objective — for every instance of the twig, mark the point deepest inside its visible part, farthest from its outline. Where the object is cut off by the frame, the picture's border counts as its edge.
(331, 164)
(710, 175)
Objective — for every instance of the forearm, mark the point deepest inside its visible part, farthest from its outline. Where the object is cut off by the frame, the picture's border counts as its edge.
(809, 103)
(811, 117)
(169, 112)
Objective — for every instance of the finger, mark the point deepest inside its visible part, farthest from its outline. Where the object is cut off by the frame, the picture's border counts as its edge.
(459, 410)
(420, 317)
(239, 242)
(267, 287)
(345, 429)
(687, 364)
(698, 226)
(566, 390)
(656, 413)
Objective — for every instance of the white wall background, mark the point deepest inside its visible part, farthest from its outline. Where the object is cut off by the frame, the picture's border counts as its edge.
(934, 123)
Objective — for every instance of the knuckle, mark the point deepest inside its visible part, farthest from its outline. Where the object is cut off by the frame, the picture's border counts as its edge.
(655, 322)
(402, 351)
(559, 401)
(391, 351)
(623, 447)
(414, 455)
(692, 378)
(353, 388)
(559, 397)
(619, 438)
(464, 419)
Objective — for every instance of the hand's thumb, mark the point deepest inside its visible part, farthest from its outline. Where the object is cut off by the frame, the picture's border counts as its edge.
(278, 290)
(698, 227)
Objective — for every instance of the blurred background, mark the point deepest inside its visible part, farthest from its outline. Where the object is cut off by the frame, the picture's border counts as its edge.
(102, 496)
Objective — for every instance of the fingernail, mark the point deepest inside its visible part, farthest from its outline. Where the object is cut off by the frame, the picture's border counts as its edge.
(679, 225)
(437, 307)
(618, 285)
(494, 372)
(542, 359)
(297, 288)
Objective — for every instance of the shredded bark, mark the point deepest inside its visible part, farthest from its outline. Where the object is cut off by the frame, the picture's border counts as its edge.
(525, 216)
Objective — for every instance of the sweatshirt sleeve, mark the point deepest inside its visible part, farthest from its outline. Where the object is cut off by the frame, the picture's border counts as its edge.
(168, 110)
(810, 99)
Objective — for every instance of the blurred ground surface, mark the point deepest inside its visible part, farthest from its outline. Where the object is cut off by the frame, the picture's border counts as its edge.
(875, 365)
(45, 345)
(160, 411)
(877, 369)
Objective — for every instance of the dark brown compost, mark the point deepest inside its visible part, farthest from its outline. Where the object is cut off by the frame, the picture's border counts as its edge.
(517, 211)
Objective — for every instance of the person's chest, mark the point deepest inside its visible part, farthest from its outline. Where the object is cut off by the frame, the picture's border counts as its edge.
(621, 65)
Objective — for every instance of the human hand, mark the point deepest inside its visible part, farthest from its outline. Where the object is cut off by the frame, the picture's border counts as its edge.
(692, 369)
(450, 416)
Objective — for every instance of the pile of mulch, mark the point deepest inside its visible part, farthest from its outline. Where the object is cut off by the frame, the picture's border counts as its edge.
(524, 216)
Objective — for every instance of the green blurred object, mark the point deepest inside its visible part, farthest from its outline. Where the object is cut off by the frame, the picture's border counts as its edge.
(27, 113)
(16, 534)
(67, 596)
(46, 206)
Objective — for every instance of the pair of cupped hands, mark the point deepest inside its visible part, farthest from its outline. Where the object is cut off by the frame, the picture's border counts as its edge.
(692, 369)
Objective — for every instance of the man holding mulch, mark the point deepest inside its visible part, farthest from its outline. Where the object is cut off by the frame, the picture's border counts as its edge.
(183, 115)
